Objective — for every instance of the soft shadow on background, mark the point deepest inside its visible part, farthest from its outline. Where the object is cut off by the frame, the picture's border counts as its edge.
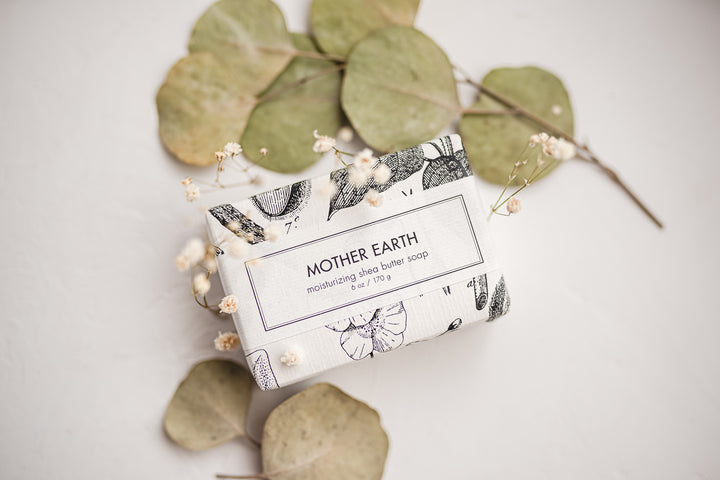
(606, 367)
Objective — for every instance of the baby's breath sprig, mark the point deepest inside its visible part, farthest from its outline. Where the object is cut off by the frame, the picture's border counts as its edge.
(583, 151)
(325, 143)
(364, 167)
(550, 150)
(228, 157)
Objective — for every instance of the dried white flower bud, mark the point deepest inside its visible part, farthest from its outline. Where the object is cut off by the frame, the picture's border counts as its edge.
(254, 262)
(192, 192)
(220, 156)
(549, 146)
(187, 181)
(228, 304)
(345, 134)
(374, 198)
(272, 232)
(238, 248)
(329, 189)
(232, 149)
(201, 284)
(227, 341)
(365, 160)
(182, 263)
(291, 357)
(357, 176)
(513, 205)
(323, 143)
(194, 250)
(556, 110)
(263, 151)
(382, 174)
(563, 150)
(210, 263)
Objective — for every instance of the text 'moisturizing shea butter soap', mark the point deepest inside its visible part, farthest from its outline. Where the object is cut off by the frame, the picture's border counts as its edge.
(351, 275)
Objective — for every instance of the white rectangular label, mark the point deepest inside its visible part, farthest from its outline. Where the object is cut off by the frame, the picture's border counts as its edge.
(363, 263)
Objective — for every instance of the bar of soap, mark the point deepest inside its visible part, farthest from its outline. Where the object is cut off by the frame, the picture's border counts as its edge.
(347, 281)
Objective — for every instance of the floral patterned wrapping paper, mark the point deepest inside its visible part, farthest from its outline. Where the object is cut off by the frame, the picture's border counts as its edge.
(480, 297)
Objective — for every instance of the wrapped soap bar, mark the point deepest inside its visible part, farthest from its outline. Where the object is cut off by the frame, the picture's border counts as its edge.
(347, 279)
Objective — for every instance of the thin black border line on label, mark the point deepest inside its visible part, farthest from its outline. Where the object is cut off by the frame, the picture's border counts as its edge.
(337, 307)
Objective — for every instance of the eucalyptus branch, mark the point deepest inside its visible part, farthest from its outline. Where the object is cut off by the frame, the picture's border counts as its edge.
(290, 51)
(252, 440)
(480, 111)
(318, 55)
(256, 475)
(301, 81)
(584, 151)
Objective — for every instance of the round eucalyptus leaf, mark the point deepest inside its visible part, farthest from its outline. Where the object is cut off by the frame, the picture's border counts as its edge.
(399, 89)
(322, 433)
(210, 406)
(249, 36)
(284, 122)
(494, 142)
(339, 24)
(201, 107)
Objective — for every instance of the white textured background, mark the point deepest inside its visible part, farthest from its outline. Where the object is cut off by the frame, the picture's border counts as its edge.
(608, 366)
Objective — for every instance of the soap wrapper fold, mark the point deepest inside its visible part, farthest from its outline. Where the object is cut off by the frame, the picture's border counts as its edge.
(342, 280)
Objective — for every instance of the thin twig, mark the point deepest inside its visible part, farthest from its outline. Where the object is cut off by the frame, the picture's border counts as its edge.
(480, 111)
(583, 150)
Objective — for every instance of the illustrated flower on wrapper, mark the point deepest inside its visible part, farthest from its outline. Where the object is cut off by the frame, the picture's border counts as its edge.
(327, 215)
(378, 331)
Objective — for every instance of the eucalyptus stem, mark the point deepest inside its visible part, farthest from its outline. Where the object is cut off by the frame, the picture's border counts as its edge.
(289, 51)
(318, 55)
(252, 440)
(257, 475)
(480, 111)
(300, 81)
(584, 151)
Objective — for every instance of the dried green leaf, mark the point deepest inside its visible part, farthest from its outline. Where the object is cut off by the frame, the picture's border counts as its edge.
(201, 106)
(399, 89)
(210, 406)
(323, 433)
(249, 36)
(283, 124)
(339, 24)
(495, 142)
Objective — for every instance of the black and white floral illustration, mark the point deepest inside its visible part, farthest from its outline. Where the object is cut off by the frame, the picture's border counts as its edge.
(377, 331)
(284, 201)
(231, 218)
(259, 364)
(500, 303)
(454, 325)
(402, 164)
(480, 288)
(449, 165)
